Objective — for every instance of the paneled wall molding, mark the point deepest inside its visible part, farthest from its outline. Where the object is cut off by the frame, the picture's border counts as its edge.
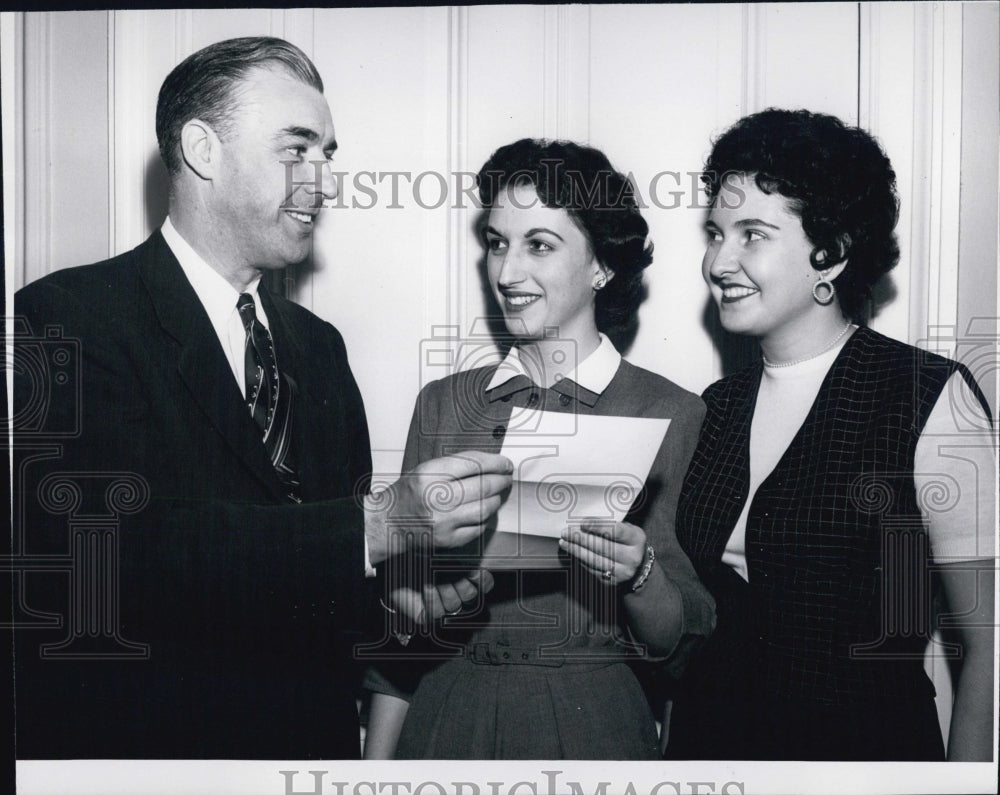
(566, 82)
(869, 66)
(935, 168)
(565, 108)
(910, 96)
(131, 127)
(183, 33)
(12, 87)
(112, 121)
(944, 168)
(37, 146)
(890, 97)
(297, 25)
(754, 57)
(277, 23)
(551, 94)
(457, 158)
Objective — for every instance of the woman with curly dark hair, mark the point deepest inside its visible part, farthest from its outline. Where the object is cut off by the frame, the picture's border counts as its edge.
(812, 509)
(541, 670)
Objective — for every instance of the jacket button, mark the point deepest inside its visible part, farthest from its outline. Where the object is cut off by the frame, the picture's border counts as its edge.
(564, 400)
(499, 431)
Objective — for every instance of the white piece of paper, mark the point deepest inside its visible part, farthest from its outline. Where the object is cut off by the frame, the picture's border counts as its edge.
(573, 467)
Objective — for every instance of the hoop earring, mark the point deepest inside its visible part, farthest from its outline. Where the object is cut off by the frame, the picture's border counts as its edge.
(827, 285)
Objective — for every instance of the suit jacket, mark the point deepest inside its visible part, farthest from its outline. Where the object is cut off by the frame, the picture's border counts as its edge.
(171, 602)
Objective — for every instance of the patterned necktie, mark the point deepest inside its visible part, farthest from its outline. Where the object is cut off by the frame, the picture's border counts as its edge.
(269, 394)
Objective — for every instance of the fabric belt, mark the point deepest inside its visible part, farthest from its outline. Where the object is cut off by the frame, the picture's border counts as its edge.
(503, 654)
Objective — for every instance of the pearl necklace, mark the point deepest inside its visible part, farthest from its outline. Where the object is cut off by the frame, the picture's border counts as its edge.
(820, 352)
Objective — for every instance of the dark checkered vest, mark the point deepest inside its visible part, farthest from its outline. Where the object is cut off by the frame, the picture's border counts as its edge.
(839, 606)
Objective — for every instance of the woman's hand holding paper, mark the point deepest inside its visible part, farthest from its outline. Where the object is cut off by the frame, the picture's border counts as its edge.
(613, 551)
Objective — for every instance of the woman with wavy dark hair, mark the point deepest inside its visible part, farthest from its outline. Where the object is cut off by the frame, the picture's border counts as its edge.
(541, 669)
(815, 508)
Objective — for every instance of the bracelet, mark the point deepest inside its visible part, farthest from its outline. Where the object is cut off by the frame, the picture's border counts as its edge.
(647, 567)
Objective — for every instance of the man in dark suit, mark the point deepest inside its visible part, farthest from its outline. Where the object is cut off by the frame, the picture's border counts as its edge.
(193, 529)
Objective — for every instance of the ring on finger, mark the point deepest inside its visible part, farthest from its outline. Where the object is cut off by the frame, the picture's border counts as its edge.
(607, 575)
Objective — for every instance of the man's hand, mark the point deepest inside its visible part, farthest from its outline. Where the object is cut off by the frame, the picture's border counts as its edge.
(444, 502)
(445, 599)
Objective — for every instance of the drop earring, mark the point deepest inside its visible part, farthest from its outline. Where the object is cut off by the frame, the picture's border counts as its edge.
(823, 290)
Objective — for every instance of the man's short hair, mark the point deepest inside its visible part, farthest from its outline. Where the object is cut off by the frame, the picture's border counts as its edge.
(202, 86)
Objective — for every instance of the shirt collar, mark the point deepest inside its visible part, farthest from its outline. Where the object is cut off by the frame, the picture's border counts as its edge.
(587, 381)
(216, 294)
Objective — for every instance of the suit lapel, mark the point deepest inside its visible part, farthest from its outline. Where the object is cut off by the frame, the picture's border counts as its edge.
(202, 364)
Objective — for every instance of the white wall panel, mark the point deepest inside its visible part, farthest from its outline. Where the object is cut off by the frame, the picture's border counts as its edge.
(381, 264)
(35, 137)
(144, 47)
(511, 91)
(978, 259)
(76, 132)
(658, 94)
(665, 82)
(808, 57)
(890, 93)
(12, 97)
(64, 158)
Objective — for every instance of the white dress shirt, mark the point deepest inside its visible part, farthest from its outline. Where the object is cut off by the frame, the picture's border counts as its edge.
(218, 297)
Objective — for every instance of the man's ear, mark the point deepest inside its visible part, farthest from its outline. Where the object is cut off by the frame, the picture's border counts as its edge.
(200, 148)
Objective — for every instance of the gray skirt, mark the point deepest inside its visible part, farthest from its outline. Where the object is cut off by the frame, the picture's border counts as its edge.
(464, 710)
